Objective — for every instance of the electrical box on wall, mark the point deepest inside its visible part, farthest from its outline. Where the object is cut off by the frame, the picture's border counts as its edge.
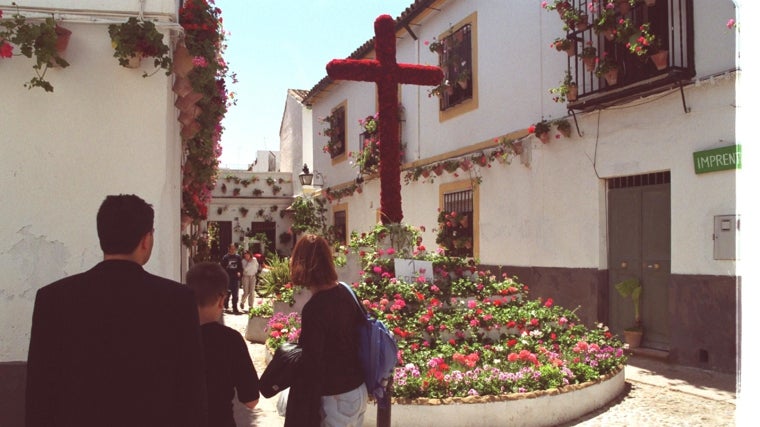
(725, 234)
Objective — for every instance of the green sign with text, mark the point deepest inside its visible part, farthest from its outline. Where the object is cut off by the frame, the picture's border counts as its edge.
(718, 159)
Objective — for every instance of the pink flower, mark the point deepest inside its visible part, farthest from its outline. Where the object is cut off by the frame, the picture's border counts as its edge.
(731, 24)
(390, 251)
(471, 304)
(199, 61)
(377, 269)
(6, 50)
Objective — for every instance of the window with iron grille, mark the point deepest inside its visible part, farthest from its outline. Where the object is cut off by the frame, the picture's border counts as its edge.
(336, 132)
(455, 59)
(455, 232)
(339, 226)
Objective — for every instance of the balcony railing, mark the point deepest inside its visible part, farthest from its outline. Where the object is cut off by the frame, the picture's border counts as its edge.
(670, 21)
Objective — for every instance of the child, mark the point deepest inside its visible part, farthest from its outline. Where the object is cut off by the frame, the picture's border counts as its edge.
(228, 365)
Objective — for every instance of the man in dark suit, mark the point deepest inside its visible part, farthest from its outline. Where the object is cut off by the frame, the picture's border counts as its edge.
(116, 346)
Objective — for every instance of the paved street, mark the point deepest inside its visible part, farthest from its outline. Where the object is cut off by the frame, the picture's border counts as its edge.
(656, 394)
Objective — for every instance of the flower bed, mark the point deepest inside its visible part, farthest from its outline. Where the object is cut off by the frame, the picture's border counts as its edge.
(470, 333)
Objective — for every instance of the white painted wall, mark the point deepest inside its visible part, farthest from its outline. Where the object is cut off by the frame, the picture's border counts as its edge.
(157, 6)
(225, 206)
(105, 130)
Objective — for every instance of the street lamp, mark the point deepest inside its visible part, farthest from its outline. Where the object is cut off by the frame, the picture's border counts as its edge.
(305, 177)
(309, 179)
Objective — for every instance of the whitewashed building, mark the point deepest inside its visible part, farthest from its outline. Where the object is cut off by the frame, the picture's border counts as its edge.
(633, 192)
(103, 130)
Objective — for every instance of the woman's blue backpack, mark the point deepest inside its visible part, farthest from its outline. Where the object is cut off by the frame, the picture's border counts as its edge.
(377, 352)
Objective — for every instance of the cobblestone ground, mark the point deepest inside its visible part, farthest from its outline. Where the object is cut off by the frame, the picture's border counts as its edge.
(642, 404)
(650, 405)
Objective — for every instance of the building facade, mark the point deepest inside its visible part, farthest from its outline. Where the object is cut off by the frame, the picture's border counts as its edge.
(620, 194)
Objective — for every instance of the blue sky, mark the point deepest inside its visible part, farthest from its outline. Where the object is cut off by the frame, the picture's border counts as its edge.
(276, 45)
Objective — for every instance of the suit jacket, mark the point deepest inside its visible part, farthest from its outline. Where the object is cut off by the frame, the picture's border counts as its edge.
(115, 346)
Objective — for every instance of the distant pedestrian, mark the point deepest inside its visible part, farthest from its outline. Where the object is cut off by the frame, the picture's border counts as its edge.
(233, 264)
(250, 270)
(229, 368)
(116, 345)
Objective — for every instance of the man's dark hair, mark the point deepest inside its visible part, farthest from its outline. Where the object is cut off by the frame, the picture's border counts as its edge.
(208, 280)
(122, 221)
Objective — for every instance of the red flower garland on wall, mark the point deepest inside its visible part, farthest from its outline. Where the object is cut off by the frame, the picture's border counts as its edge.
(387, 74)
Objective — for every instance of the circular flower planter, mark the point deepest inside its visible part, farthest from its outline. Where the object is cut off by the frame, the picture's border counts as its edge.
(534, 409)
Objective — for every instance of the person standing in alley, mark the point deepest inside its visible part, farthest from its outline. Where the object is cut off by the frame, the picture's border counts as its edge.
(116, 345)
(233, 264)
(250, 270)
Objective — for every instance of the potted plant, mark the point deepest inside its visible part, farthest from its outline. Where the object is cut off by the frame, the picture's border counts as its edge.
(563, 126)
(435, 46)
(566, 45)
(44, 40)
(632, 288)
(136, 39)
(607, 68)
(243, 211)
(541, 130)
(440, 90)
(606, 23)
(258, 318)
(463, 78)
(588, 56)
(574, 19)
(568, 90)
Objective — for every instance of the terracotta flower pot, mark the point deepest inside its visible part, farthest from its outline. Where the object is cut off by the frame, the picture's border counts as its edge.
(660, 59)
(135, 60)
(64, 35)
(187, 101)
(611, 77)
(572, 93)
(624, 7)
(517, 146)
(582, 25)
(590, 63)
(182, 86)
(182, 62)
(633, 338)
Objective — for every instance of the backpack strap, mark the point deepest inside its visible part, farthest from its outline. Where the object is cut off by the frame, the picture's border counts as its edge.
(356, 299)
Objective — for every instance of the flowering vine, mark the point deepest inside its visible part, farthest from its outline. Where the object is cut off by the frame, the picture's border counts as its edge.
(205, 42)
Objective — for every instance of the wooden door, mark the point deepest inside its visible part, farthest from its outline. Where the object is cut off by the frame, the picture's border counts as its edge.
(639, 247)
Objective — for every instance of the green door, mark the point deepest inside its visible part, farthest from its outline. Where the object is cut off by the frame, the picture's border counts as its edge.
(639, 247)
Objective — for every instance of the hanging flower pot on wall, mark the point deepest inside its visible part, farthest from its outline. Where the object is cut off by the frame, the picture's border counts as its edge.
(134, 60)
(64, 35)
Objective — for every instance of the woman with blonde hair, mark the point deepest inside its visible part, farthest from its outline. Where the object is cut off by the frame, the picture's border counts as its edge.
(329, 388)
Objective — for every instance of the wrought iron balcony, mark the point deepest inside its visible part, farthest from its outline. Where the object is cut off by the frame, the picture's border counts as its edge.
(671, 23)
